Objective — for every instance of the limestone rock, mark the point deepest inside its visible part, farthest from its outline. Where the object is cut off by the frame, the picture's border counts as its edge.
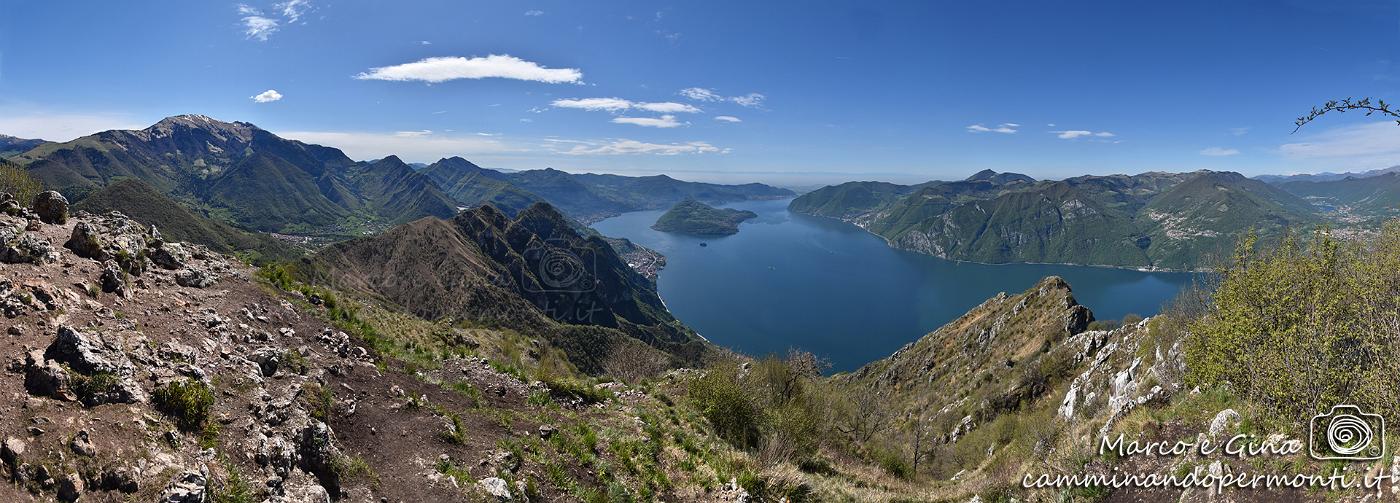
(189, 487)
(51, 207)
(195, 277)
(497, 487)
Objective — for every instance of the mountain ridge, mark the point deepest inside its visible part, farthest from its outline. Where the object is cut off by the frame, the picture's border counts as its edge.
(1152, 220)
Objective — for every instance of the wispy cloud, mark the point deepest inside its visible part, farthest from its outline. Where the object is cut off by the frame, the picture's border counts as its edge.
(260, 26)
(728, 118)
(751, 100)
(255, 24)
(293, 9)
(534, 12)
(665, 121)
(1239, 131)
(1219, 152)
(667, 107)
(61, 126)
(594, 104)
(412, 145)
(700, 94)
(619, 104)
(1079, 133)
(442, 69)
(633, 147)
(267, 96)
(1369, 145)
(1003, 128)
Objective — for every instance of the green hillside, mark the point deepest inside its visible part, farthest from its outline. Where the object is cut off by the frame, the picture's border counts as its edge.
(1151, 220)
(697, 218)
(140, 201)
(471, 185)
(238, 171)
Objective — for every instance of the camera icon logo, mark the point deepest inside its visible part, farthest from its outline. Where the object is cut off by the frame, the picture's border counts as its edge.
(1345, 432)
(558, 267)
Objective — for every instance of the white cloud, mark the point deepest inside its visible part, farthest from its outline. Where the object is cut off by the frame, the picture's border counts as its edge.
(1219, 152)
(255, 24)
(1003, 128)
(727, 118)
(701, 94)
(267, 96)
(629, 147)
(667, 107)
(619, 104)
(1076, 133)
(665, 121)
(1370, 145)
(61, 127)
(1239, 131)
(751, 100)
(534, 12)
(409, 145)
(293, 9)
(442, 69)
(424, 42)
(594, 104)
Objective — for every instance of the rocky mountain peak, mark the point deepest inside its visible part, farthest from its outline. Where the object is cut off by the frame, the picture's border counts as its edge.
(225, 131)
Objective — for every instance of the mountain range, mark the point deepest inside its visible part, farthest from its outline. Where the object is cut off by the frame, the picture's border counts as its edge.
(1326, 176)
(10, 146)
(242, 174)
(587, 197)
(1150, 220)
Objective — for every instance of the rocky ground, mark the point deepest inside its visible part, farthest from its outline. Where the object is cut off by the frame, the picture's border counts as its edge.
(143, 370)
(101, 318)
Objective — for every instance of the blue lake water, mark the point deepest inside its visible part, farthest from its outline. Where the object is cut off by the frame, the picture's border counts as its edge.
(788, 280)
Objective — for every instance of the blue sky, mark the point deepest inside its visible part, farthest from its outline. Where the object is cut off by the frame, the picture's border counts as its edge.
(787, 92)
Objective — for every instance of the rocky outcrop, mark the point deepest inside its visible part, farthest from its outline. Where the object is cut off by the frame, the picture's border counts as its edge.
(19, 244)
(51, 207)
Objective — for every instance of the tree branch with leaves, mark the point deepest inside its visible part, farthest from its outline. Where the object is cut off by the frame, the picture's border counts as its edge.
(1346, 105)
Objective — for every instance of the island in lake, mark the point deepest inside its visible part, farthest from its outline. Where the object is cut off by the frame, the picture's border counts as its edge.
(697, 218)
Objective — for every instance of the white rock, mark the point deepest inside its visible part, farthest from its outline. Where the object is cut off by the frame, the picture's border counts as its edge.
(497, 487)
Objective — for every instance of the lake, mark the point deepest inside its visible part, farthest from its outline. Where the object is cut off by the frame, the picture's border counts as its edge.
(788, 280)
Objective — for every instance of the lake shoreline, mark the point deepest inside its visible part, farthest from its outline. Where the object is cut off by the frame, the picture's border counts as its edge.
(892, 245)
(828, 287)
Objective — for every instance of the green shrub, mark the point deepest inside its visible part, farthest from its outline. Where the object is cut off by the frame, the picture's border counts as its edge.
(90, 386)
(294, 362)
(577, 389)
(1305, 326)
(18, 182)
(188, 402)
(320, 402)
(727, 405)
(893, 463)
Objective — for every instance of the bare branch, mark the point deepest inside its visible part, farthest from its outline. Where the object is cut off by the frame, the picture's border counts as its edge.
(1364, 104)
